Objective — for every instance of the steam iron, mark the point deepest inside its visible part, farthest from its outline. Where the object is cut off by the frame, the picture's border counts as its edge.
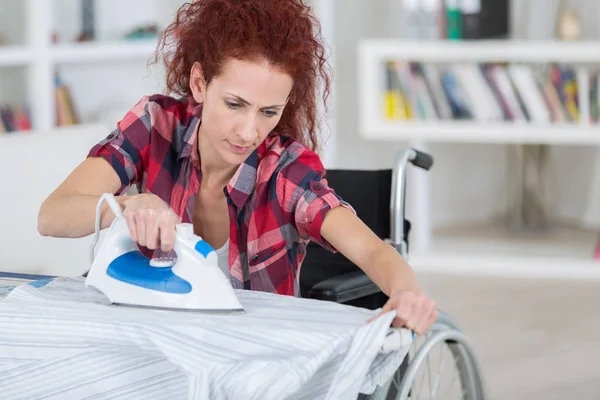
(191, 282)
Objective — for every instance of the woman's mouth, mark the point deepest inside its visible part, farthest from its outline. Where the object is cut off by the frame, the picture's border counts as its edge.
(239, 149)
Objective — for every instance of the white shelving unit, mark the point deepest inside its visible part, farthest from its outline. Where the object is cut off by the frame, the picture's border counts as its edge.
(42, 58)
(105, 51)
(479, 250)
(471, 132)
(373, 53)
(14, 55)
(482, 50)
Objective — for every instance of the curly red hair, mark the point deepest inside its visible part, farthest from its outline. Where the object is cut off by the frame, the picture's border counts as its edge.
(285, 33)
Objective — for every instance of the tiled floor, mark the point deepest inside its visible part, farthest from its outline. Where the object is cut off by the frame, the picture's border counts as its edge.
(535, 339)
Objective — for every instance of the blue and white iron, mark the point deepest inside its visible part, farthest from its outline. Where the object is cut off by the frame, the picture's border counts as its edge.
(191, 282)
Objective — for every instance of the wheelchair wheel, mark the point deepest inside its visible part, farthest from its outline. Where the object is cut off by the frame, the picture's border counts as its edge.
(442, 365)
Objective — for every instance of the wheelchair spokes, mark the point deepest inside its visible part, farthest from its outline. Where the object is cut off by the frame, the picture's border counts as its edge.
(438, 376)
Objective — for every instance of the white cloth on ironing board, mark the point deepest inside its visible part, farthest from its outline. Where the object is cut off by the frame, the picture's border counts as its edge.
(64, 341)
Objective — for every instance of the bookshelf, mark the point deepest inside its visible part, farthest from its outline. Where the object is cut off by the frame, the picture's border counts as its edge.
(371, 77)
(30, 47)
(485, 248)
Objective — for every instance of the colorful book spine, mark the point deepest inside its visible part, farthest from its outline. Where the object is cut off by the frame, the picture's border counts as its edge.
(491, 92)
(453, 20)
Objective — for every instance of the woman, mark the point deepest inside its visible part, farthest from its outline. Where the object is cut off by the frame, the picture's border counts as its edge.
(235, 155)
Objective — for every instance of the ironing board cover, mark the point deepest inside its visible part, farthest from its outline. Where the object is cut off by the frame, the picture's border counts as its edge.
(62, 340)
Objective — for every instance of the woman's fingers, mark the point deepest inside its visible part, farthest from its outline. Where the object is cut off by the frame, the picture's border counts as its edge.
(433, 315)
(152, 226)
(416, 316)
(414, 311)
(426, 311)
(140, 225)
(167, 231)
(150, 221)
(129, 218)
(404, 313)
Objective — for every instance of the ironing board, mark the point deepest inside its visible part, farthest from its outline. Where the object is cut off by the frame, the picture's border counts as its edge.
(62, 340)
(9, 280)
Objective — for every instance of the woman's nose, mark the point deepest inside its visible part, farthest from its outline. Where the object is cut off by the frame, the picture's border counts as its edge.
(248, 131)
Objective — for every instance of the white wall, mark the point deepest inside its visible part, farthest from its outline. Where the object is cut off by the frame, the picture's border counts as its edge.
(33, 166)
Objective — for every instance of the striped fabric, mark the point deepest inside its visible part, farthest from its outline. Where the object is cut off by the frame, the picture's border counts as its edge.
(61, 340)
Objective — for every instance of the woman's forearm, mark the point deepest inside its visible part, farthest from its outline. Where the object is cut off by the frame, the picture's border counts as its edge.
(73, 215)
(388, 270)
(384, 265)
(380, 261)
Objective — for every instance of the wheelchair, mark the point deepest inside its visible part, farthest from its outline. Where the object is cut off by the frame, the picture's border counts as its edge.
(378, 197)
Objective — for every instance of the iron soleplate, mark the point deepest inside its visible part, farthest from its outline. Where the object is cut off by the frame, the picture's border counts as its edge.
(185, 310)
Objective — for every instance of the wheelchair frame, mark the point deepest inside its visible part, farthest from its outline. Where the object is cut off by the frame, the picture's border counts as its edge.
(350, 286)
(445, 329)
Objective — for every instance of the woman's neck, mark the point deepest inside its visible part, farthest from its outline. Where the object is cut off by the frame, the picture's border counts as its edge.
(216, 174)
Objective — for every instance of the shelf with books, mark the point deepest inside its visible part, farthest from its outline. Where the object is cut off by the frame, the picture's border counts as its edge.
(498, 89)
(44, 37)
(493, 92)
(110, 102)
(14, 119)
(15, 112)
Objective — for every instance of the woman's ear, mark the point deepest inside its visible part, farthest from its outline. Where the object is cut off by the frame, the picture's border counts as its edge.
(197, 83)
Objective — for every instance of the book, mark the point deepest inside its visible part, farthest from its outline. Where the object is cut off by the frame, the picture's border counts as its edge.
(485, 19)
(491, 92)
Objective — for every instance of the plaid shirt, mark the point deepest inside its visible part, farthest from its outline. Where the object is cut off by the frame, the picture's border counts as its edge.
(277, 199)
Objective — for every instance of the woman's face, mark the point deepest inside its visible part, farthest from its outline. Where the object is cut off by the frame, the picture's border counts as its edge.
(241, 106)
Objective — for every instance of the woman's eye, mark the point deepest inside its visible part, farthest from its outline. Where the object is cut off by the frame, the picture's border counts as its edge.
(270, 113)
(232, 105)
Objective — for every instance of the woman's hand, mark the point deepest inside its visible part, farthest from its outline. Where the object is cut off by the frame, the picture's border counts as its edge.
(384, 265)
(414, 311)
(151, 222)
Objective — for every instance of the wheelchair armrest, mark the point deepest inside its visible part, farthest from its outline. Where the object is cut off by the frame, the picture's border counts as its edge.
(344, 288)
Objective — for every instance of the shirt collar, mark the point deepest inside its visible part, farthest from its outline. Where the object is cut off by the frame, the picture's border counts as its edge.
(243, 182)
(186, 143)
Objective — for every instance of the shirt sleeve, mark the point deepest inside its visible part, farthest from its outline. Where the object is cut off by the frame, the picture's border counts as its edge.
(303, 189)
(127, 147)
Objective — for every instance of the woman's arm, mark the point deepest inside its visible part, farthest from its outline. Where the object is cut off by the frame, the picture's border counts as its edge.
(70, 211)
(384, 265)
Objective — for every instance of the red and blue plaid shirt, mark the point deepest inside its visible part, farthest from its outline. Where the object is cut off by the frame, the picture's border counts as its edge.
(277, 199)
